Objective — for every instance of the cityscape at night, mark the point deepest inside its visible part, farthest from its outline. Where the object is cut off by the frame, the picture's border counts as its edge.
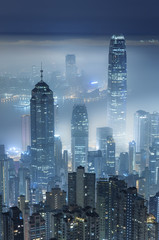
(79, 120)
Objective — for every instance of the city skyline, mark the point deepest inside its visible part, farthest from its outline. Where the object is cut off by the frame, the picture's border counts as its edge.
(47, 189)
(79, 120)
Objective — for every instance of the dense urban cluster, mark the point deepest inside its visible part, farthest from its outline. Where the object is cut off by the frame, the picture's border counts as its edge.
(109, 193)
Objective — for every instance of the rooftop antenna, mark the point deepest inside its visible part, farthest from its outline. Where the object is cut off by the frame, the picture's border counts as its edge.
(41, 73)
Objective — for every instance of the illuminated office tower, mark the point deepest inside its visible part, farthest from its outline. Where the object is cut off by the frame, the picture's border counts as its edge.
(132, 156)
(117, 90)
(58, 155)
(71, 69)
(79, 136)
(4, 176)
(154, 127)
(96, 163)
(141, 130)
(101, 138)
(110, 156)
(42, 133)
(1, 218)
(25, 123)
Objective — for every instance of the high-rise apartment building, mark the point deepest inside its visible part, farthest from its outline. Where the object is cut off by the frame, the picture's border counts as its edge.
(42, 133)
(56, 199)
(107, 206)
(79, 136)
(76, 223)
(117, 90)
(121, 211)
(81, 188)
(37, 226)
(13, 224)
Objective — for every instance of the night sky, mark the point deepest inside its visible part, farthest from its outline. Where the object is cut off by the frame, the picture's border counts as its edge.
(130, 17)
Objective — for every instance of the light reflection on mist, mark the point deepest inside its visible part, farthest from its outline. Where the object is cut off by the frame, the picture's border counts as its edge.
(19, 53)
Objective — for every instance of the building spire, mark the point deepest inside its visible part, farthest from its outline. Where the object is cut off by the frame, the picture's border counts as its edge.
(41, 73)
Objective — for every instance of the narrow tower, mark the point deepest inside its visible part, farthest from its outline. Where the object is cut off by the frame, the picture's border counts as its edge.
(117, 90)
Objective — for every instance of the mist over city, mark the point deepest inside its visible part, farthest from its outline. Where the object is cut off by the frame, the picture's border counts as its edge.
(19, 54)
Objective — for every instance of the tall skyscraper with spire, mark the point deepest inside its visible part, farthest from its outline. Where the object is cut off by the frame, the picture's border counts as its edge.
(117, 90)
(79, 136)
(42, 133)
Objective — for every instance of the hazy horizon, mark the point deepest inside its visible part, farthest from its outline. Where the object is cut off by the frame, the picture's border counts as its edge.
(20, 52)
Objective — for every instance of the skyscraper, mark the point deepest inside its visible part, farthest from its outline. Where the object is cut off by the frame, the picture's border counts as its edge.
(96, 163)
(58, 155)
(42, 133)
(117, 90)
(154, 206)
(101, 138)
(141, 130)
(132, 156)
(71, 70)
(79, 136)
(107, 207)
(4, 176)
(37, 226)
(13, 224)
(1, 217)
(81, 188)
(154, 127)
(124, 163)
(110, 157)
(121, 210)
(25, 121)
